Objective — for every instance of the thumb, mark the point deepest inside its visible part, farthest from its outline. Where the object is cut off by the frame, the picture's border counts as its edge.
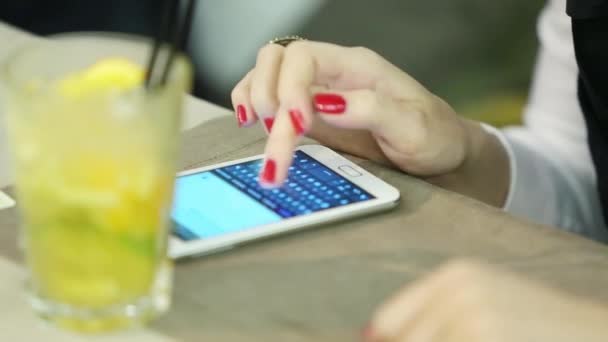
(399, 127)
(359, 109)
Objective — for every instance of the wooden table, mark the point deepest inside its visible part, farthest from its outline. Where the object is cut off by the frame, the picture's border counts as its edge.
(322, 284)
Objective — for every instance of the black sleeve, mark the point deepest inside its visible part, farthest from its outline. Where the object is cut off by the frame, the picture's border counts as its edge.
(590, 33)
(585, 9)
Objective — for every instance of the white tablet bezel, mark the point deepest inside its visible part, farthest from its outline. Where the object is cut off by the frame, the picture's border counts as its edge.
(386, 196)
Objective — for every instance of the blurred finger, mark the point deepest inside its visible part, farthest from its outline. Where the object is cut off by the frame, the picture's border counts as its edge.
(357, 109)
(368, 110)
(245, 114)
(296, 78)
(294, 116)
(388, 321)
(409, 303)
(305, 64)
(264, 83)
(279, 153)
(341, 137)
(446, 314)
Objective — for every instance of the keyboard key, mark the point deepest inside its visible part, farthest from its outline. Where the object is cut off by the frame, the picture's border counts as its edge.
(284, 212)
(254, 193)
(223, 173)
(323, 174)
(269, 203)
(238, 183)
(337, 182)
(309, 165)
(309, 187)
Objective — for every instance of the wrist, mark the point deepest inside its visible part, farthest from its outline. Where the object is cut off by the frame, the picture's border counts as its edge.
(484, 172)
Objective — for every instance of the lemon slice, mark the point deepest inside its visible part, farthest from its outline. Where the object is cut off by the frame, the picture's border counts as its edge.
(107, 75)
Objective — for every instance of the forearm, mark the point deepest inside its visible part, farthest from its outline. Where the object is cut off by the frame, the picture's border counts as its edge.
(484, 174)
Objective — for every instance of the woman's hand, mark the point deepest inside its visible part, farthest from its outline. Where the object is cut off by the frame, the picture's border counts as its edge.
(354, 100)
(468, 302)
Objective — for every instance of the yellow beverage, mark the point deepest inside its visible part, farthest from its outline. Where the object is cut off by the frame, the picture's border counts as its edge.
(94, 155)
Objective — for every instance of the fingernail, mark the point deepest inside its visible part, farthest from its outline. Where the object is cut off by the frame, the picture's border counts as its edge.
(329, 103)
(241, 115)
(367, 335)
(268, 122)
(297, 120)
(268, 174)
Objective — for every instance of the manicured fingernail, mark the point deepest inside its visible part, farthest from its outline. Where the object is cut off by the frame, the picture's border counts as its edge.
(329, 103)
(241, 115)
(268, 122)
(297, 120)
(269, 172)
(367, 335)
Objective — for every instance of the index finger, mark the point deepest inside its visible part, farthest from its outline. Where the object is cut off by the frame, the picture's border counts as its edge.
(306, 64)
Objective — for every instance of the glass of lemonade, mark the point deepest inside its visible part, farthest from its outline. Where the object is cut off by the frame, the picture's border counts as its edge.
(94, 156)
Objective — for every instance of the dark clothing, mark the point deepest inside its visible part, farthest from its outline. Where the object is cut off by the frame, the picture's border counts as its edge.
(585, 9)
(44, 17)
(590, 32)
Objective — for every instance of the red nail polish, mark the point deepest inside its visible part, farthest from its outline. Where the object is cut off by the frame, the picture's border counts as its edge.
(297, 120)
(330, 103)
(367, 334)
(241, 115)
(268, 122)
(268, 174)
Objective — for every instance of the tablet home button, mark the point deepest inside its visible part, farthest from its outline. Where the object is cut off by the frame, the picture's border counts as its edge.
(349, 171)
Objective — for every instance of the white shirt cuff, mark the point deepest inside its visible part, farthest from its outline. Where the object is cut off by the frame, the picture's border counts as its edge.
(512, 166)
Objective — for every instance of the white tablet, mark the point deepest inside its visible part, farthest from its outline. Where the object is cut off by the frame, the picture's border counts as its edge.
(222, 206)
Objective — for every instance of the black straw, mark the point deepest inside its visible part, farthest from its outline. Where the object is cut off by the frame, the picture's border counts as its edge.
(170, 28)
